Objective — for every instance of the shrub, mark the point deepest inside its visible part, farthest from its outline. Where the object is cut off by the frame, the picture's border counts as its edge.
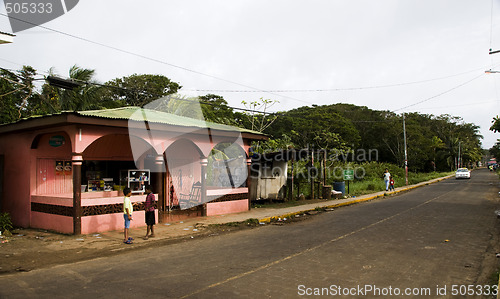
(5, 222)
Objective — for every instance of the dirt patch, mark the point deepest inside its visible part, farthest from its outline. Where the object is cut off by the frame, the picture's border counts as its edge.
(30, 249)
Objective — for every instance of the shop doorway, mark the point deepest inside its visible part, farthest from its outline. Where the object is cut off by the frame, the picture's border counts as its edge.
(1, 180)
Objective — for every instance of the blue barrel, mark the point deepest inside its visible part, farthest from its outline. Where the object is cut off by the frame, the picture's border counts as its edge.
(339, 186)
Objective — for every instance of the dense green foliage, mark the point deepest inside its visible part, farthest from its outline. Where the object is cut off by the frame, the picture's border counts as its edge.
(347, 132)
(5, 222)
(495, 127)
(16, 94)
(138, 90)
(433, 142)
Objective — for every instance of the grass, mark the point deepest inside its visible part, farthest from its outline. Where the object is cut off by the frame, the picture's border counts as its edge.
(277, 204)
(250, 222)
(363, 187)
(356, 188)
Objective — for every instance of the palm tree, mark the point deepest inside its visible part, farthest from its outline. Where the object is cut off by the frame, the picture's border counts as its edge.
(436, 143)
(83, 97)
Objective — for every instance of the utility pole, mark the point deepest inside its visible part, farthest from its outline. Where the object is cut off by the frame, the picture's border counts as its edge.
(406, 152)
(459, 158)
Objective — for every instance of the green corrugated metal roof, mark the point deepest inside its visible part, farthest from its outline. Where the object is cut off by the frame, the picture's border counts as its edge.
(154, 116)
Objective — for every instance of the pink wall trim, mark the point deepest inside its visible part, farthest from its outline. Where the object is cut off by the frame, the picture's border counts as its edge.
(227, 207)
(224, 191)
(88, 199)
(53, 200)
(62, 224)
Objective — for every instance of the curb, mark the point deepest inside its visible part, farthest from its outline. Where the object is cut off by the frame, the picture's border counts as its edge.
(355, 201)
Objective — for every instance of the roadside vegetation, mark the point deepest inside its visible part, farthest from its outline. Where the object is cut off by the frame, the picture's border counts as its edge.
(351, 137)
(348, 133)
(372, 182)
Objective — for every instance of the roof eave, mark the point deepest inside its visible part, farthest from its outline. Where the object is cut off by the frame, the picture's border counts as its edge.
(65, 118)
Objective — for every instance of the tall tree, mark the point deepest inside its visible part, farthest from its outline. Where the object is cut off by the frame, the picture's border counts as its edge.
(216, 109)
(16, 92)
(495, 127)
(310, 125)
(84, 97)
(139, 90)
(258, 118)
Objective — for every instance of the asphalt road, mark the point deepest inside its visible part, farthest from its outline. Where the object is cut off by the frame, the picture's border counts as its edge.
(431, 242)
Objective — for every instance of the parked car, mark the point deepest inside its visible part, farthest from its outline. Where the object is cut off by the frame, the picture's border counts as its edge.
(462, 173)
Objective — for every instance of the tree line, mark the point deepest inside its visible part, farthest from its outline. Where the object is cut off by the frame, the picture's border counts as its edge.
(433, 142)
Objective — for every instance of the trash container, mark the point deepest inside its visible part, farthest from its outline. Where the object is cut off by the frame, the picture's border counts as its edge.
(339, 186)
(327, 192)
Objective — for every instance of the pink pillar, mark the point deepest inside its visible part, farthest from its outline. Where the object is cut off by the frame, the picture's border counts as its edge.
(160, 185)
(204, 164)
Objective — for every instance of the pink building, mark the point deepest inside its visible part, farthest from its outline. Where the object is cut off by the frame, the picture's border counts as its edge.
(64, 172)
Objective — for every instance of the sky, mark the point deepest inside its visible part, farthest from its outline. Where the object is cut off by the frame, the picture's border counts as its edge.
(426, 56)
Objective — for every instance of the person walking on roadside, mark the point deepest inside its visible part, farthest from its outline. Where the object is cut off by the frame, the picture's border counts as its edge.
(149, 207)
(387, 179)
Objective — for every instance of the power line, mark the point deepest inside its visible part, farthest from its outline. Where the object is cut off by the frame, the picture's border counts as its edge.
(82, 82)
(253, 89)
(149, 58)
(463, 105)
(440, 94)
(336, 89)
(179, 99)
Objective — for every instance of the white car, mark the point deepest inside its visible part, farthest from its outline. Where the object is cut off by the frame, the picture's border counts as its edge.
(462, 173)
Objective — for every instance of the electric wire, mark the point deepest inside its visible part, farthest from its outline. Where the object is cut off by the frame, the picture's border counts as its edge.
(338, 89)
(150, 58)
(253, 89)
(440, 94)
(82, 82)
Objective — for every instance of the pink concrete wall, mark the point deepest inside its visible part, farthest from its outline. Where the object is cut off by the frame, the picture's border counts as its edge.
(108, 222)
(102, 223)
(110, 147)
(17, 170)
(90, 224)
(62, 224)
(227, 207)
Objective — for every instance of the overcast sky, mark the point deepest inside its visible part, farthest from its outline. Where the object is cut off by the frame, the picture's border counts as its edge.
(427, 56)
